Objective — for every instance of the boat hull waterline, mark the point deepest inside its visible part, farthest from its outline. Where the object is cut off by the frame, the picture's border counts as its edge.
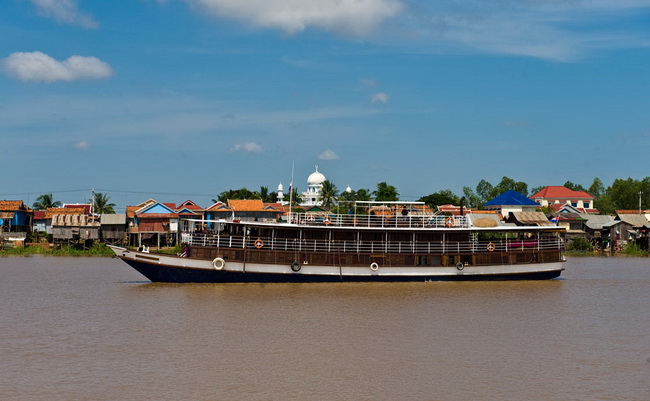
(174, 269)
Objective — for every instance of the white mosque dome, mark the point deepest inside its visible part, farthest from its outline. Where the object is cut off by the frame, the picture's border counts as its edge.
(348, 189)
(316, 178)
(280, 188)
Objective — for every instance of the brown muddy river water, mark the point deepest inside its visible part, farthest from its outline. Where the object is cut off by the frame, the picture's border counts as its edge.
(93, 329)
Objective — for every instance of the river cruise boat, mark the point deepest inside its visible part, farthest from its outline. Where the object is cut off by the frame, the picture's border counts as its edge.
(398, 246)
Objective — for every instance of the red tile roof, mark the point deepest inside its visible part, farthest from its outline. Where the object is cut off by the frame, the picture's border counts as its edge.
(453, 209)
(13, 206)
(158, 215)
(277, 206)
(248, 205)
(80, 209)
(190, 205)
(557, 192)
(130, 211)
(84, 206)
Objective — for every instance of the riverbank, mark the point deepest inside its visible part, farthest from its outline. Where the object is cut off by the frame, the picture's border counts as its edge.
(97, 250)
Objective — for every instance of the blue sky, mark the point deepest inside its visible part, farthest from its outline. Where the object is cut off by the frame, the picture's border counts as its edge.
(178, 99)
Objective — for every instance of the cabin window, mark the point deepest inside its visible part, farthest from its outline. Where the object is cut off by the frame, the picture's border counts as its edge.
(290, 234)
(315, 234)
(372, 236)
(400, 237)
(343, 235)
(428, 237)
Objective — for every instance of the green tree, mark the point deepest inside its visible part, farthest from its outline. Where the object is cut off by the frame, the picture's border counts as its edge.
(328, 194)
(295, 197)
(574, 187)
(508, 184)
(484, 191)
(604, 204)
(536, 189)
(347, 199)
(264, 195)
(242, 193)
(471, 198)
(444, 197)
(45, 201)
(102, 205)
(624, 194)
(596, 189)
(386, 192)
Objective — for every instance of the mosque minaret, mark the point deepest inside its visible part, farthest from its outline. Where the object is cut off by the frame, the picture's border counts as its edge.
(311, 197)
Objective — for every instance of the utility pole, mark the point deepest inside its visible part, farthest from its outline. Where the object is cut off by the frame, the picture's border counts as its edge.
(640, 193)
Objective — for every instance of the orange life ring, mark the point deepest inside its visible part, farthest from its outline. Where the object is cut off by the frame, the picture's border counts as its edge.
(449, 222)
(259, 243)
(327, 220)
(491, 247)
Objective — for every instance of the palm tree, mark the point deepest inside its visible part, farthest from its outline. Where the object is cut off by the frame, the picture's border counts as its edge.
(386, 192)
(296, 199)
(328, 194)
(101, 205)
(45, 201)
(264, 195)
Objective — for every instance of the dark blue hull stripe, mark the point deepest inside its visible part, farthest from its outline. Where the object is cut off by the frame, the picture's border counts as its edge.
(169, 274)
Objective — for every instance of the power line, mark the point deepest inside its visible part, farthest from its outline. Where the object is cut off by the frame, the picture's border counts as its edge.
(153, 193)
(106, 190)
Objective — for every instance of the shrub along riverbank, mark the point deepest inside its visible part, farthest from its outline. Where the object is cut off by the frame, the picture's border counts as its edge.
(100, 250)
(96, 250)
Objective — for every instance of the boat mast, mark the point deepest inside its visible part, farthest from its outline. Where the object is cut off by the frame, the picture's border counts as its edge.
(291, 193)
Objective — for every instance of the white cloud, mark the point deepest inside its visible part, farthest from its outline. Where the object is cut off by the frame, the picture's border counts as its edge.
(82, 145)
(347, 17)
(369, 82)
(249, 147)
(64, 11)
(547, 29)
(379, 97)
(40, 67)
(328, 154)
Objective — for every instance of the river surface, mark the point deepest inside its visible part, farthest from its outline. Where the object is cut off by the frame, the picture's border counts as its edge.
(93, 329)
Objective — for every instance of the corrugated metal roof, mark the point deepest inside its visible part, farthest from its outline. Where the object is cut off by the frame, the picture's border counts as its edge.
(532, 218)
(113, 219)
(596, 222)
(635, 220)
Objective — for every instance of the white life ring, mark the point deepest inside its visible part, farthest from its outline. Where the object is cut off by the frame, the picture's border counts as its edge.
(295, 266)
(218, 263)
(374, 266)
(310, 217)
(460, 266)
